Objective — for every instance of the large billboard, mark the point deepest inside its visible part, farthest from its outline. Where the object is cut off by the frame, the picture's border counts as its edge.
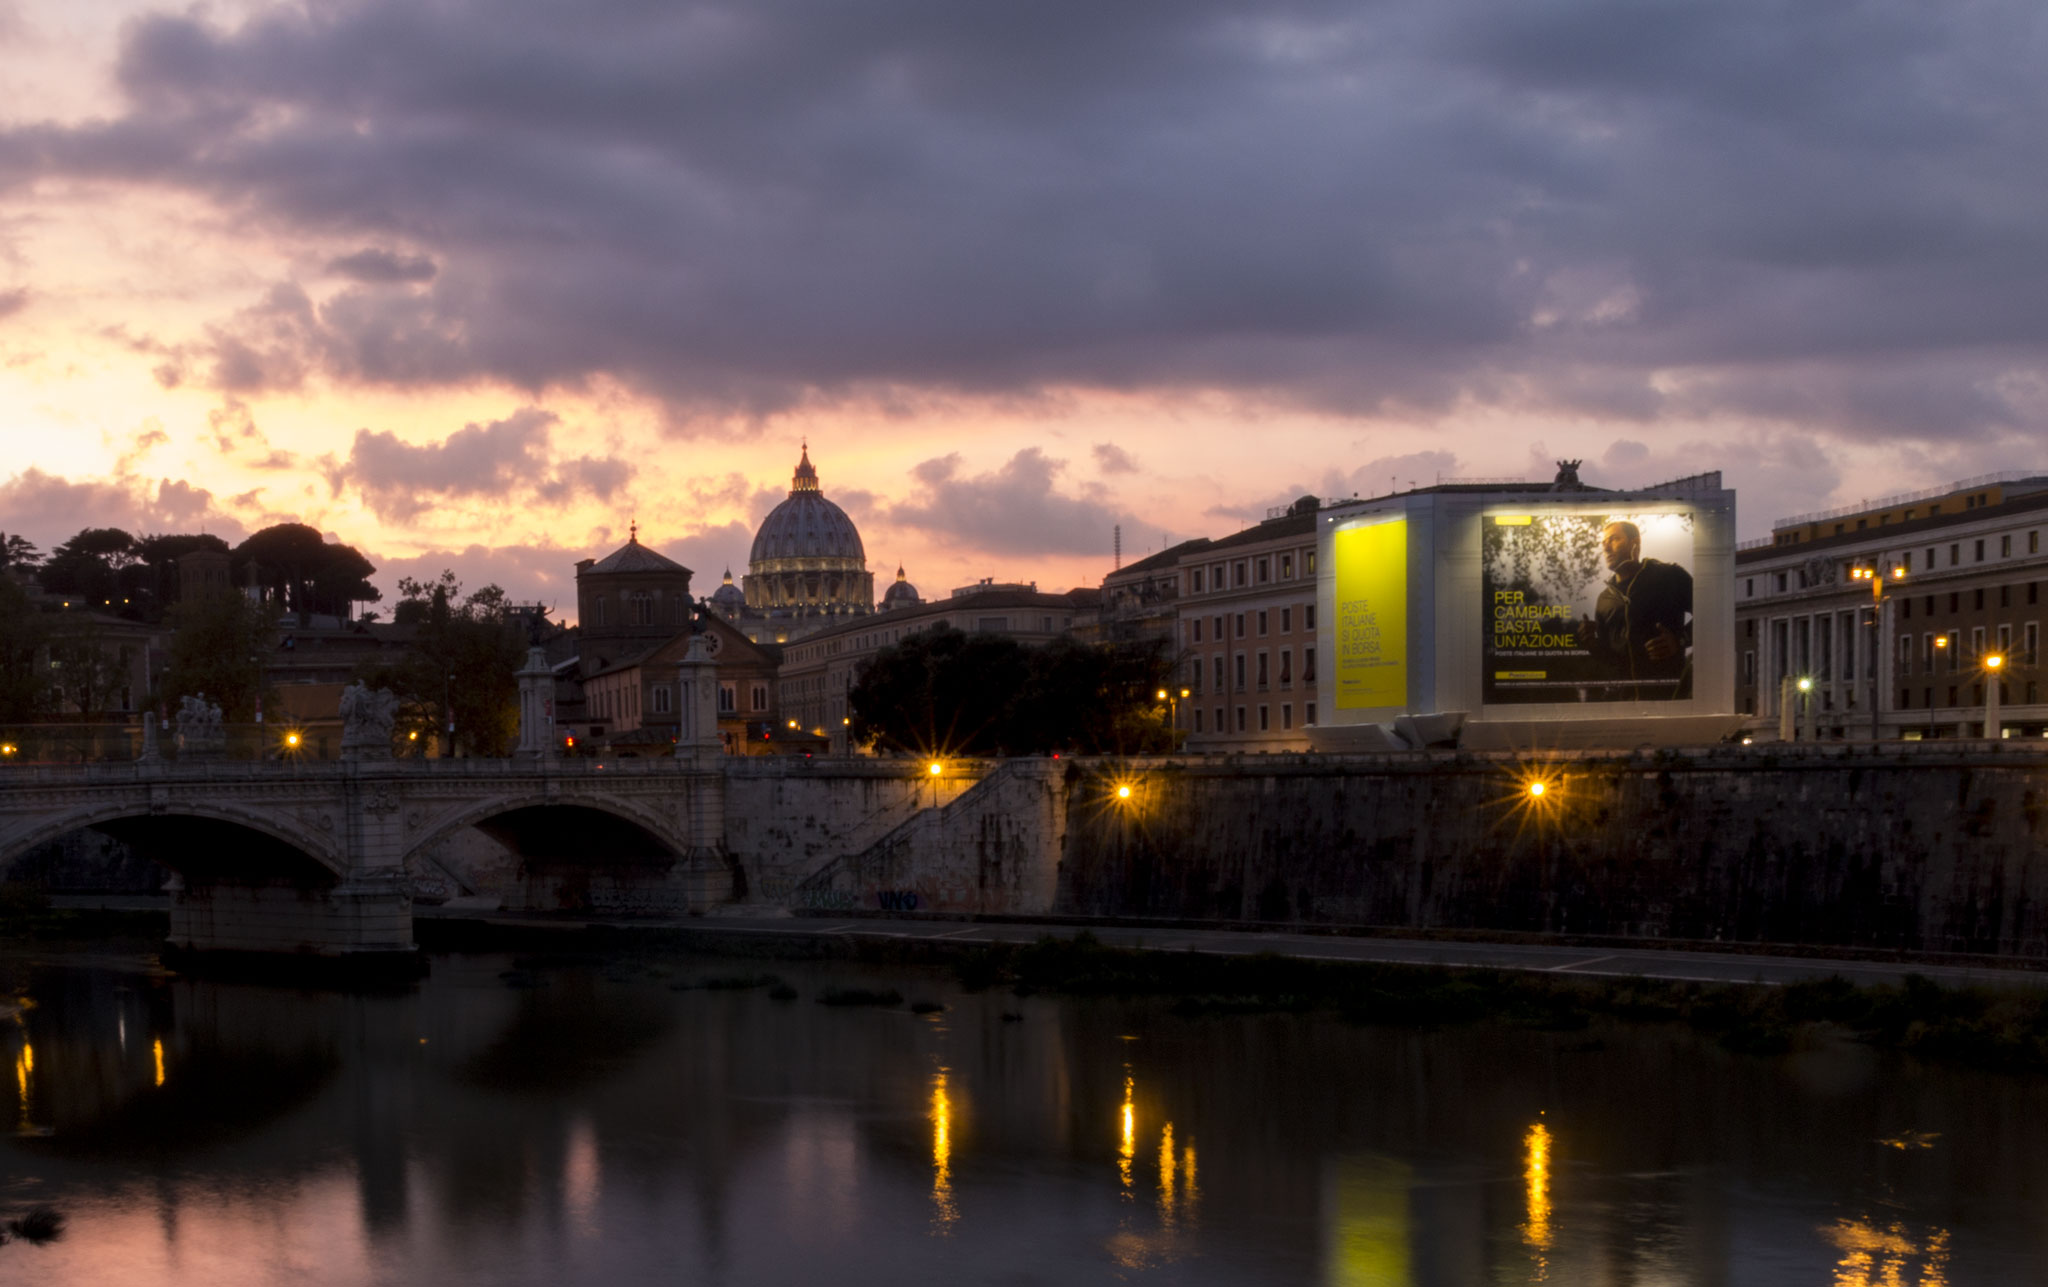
(1590, 607)
(1371, 573)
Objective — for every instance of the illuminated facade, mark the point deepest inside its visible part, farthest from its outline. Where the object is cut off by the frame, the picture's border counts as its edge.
(1963, 569)
(807, 569)
(1517, 616)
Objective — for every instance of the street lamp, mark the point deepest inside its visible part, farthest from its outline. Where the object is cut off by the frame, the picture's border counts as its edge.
(1994, 671)
(1878, 581)
(1806, 700)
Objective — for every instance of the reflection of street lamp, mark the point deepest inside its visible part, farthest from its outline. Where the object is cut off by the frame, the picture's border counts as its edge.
(1994, 671)
(1878, 581)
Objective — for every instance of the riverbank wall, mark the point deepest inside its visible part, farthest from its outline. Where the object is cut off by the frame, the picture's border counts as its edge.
(1933, 848)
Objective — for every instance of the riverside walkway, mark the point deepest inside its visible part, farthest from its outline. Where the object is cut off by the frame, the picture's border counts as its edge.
(1601, 960)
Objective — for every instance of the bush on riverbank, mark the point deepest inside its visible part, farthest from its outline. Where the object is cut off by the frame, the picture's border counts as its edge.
(1999, 1028)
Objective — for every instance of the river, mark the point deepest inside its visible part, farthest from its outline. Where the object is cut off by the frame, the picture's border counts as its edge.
(599, 1123)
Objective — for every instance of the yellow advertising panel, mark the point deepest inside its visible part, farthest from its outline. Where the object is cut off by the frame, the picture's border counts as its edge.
(1372, 615)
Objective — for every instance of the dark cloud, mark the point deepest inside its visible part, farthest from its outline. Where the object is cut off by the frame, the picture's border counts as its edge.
(13, 301)
(1112, 459)
(1016, 509)
(1408, 207)
(505, 458)
(49, 509)
(382, 267)
(1376, 477)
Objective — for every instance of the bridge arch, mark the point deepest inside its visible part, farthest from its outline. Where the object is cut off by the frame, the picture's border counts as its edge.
(531, 825)
(194, 838)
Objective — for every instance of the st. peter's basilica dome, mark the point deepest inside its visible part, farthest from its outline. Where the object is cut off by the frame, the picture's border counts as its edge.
(807, 559)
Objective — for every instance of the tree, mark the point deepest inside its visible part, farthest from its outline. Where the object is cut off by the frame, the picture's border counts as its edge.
(217, 645)
(24, 687)
(17, 554)
(87, 566)
(939, 692)
(945, 692)
(463, 662)
(303, 573)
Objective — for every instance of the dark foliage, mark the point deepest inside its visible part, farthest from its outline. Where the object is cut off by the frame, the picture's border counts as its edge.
(303, 573)
(461, 664)
(946, 692)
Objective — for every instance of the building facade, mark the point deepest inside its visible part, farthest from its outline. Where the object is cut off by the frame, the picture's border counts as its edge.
(1960, 569)
(1246, 634)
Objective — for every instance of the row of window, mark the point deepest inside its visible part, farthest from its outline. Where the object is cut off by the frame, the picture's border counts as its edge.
(1262, 663)
(2033, 695)
(1952, 644)
(1260, 570)
(1810, 650)
(1259, 621)
(1976, 500)
(2031, 589)
(1263, 713)
(623, 702)
(1929, 561)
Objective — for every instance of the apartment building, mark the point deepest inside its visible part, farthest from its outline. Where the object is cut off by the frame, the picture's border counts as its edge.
(1247, 636)
(1962, 568)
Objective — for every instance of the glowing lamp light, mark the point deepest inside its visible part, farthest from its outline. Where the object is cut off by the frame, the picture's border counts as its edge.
(1124, 792)
(1898, 574)
(1941, 641)
(414, 736)
(934, 768)
(1160, 695)
(291, 740)
(1536, 790)
(792, 723)
(1994, 661)
(7, 748)
(1805, 684)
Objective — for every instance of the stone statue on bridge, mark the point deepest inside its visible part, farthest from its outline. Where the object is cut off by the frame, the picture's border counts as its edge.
(200, 735)
(366, 719)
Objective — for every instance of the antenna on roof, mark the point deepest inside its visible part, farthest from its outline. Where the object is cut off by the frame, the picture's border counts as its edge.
(633, 532)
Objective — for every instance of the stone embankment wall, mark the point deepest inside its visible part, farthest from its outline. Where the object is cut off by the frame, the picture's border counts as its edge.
(786, 818)
(1935, 847)
(993, 848)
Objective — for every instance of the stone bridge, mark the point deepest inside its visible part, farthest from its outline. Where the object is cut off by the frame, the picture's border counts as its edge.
(311, 857)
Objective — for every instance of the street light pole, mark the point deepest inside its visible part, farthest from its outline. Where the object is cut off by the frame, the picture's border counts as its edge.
(1877, 580)
(1994, 669)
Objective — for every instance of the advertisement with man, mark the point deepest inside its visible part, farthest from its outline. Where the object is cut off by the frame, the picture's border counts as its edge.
(1587, 607)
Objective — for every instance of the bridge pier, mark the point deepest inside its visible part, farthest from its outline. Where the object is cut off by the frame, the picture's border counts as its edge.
(360, 918)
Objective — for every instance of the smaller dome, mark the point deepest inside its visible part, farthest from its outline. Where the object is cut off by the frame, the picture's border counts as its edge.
(900, 595)
(728, 599)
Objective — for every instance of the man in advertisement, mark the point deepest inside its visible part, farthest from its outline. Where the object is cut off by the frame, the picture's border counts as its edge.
(1641, 629)
(1580, 613)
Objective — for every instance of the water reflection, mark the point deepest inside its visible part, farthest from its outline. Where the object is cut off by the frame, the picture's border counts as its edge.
(1127, 1147)
(719, 1136)
(1887, 1255)
(944, 1212)
(1371, 1224)
(1536, 1180)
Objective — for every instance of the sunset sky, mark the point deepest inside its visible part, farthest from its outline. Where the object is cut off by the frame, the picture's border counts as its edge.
(474, 283)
